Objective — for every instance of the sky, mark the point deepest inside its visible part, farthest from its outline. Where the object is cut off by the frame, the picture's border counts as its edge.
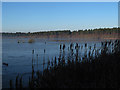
(49, 16)
(60, 0)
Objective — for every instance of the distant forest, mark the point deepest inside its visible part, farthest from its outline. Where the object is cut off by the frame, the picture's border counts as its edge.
(99, 33)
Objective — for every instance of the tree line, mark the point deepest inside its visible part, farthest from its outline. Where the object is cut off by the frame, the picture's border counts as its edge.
(66, 32)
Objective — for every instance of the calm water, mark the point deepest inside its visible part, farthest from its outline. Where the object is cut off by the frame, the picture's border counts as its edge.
(19, 56)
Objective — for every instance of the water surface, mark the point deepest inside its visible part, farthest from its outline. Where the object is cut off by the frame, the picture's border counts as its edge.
(19, 55)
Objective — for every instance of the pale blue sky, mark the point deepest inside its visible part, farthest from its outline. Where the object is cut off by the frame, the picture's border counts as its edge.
(42, 16)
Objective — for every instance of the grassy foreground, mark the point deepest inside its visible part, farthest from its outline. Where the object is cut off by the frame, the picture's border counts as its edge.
(97, 69)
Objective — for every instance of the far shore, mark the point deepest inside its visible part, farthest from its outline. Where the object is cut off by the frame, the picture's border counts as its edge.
(64, 39)
(90, 34)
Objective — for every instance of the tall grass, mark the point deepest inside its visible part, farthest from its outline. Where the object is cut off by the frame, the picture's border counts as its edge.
(97, 68)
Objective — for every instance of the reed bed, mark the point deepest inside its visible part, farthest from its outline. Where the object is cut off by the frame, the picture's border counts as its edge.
(97, 68)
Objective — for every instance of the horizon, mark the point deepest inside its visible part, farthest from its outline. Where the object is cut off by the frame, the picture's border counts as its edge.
(53, 16)
(63, 30)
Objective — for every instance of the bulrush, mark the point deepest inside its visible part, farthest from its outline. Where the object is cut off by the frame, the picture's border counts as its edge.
(85, 45)
(63, 47)
(33, 51)
(77, 46)
(94, 46)
(71, 46)
(96, 70)
(55, 61)
(16, 84)
(48, 64)
(52, 62)
(60, 46)
(44, 50)
(37, 60)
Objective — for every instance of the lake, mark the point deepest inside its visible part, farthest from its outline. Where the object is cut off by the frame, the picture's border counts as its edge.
(19, 55)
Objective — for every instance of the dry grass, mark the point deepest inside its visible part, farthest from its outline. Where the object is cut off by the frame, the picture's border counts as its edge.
(31, 41)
